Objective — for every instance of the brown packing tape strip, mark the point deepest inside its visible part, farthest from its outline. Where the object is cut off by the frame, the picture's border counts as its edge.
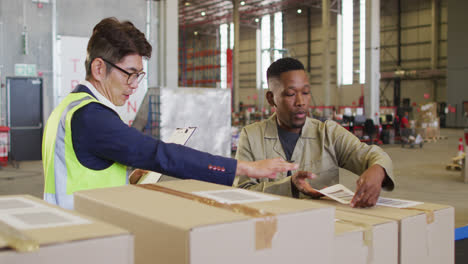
(368, 236)
(429, 213)
(17, 240)
(265, 229)
(367, 232)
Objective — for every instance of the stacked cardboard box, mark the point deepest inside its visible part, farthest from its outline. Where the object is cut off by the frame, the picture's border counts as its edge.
(427, 123)
(365, 239)
(173, 225)
(32, 231)
(426, 231)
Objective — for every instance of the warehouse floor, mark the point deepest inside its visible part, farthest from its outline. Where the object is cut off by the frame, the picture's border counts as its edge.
(420, 175)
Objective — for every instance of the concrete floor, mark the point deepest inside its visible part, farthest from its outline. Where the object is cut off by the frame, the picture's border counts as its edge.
(420, 175)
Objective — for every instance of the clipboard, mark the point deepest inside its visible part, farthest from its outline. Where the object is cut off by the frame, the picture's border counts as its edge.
(180, 136)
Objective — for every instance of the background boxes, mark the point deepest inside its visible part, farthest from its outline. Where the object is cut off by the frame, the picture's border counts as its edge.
(64, 236)
(172, 229)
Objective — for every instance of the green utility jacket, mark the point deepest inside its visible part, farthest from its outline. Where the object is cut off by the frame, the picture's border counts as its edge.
(322, 149)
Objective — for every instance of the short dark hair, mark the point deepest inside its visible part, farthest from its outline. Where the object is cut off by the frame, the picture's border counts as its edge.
(283, 65)
(113, 40)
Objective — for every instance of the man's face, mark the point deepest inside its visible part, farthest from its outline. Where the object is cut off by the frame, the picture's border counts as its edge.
(115, 84)
(291, 97)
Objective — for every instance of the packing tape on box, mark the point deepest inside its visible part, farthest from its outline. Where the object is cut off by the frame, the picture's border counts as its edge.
(367, 232)
(367, 235)
(429, 213)
(16, 239)
(265, 229)
(429, 220)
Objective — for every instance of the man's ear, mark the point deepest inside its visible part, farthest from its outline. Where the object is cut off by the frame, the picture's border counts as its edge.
(271, 98)
(98, 69)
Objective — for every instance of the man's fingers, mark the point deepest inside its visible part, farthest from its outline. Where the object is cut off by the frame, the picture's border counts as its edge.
(305, 175)
(299, 179)
(359, 182)
(264, 174)
(356, 201)
(312, 192)
(136, 175)
(286, 166)
(369, 197)
(283, 165)
(365, 197)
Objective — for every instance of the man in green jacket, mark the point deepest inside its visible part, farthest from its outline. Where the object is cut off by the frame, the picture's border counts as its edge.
(320, 148)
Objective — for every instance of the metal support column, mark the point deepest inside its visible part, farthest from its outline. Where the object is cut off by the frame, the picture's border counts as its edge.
(339, 53)
(152, 8)
(168, 44)
(236, 56)
(326, 51)
(309, 39)
(55, 60)
(372, 91)
(434, 41)
(259, 68)
(397, 81)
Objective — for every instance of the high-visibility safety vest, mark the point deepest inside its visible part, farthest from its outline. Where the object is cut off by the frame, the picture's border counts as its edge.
(63, 173)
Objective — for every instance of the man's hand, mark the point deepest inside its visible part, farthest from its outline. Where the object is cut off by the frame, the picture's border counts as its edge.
(299, 180)
(368, 187)
(264, 168)
(136, 175)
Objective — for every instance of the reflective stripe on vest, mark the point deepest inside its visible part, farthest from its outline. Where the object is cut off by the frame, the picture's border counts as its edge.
(63, 173)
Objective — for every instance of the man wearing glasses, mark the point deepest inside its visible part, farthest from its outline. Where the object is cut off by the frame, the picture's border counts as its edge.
(86, 145)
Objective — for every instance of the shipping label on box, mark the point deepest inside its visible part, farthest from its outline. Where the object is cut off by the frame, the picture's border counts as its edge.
(32, 231)
(426, 231)
(197, 222)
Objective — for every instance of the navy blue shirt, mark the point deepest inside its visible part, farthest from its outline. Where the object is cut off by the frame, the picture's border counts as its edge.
(100, 137)
(288, 141)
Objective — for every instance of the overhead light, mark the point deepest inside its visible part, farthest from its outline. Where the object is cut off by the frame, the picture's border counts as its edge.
(203, 13)
(187, 3)
(256, 20)
(242, 3)
(299, 11)
(195, 33)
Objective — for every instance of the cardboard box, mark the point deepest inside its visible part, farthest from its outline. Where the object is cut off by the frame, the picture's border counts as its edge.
(63, 236)
(171, 229)
(364, 239)
(427, 113)
(428, 132)
(426, 231)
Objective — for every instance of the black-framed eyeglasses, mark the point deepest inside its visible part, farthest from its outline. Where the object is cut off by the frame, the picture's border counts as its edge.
(138, 76)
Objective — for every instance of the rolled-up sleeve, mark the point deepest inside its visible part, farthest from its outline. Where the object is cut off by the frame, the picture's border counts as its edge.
(356, 156)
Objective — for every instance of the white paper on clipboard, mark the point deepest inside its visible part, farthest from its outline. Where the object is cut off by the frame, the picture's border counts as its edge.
(180, 136)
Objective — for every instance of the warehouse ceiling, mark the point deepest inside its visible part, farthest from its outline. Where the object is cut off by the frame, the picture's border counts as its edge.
(197, 14)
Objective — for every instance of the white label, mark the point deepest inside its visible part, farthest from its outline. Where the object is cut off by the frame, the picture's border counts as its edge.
(22, 213)
(13, 204)
(236, 196)
(344, 195)
(397, 203)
